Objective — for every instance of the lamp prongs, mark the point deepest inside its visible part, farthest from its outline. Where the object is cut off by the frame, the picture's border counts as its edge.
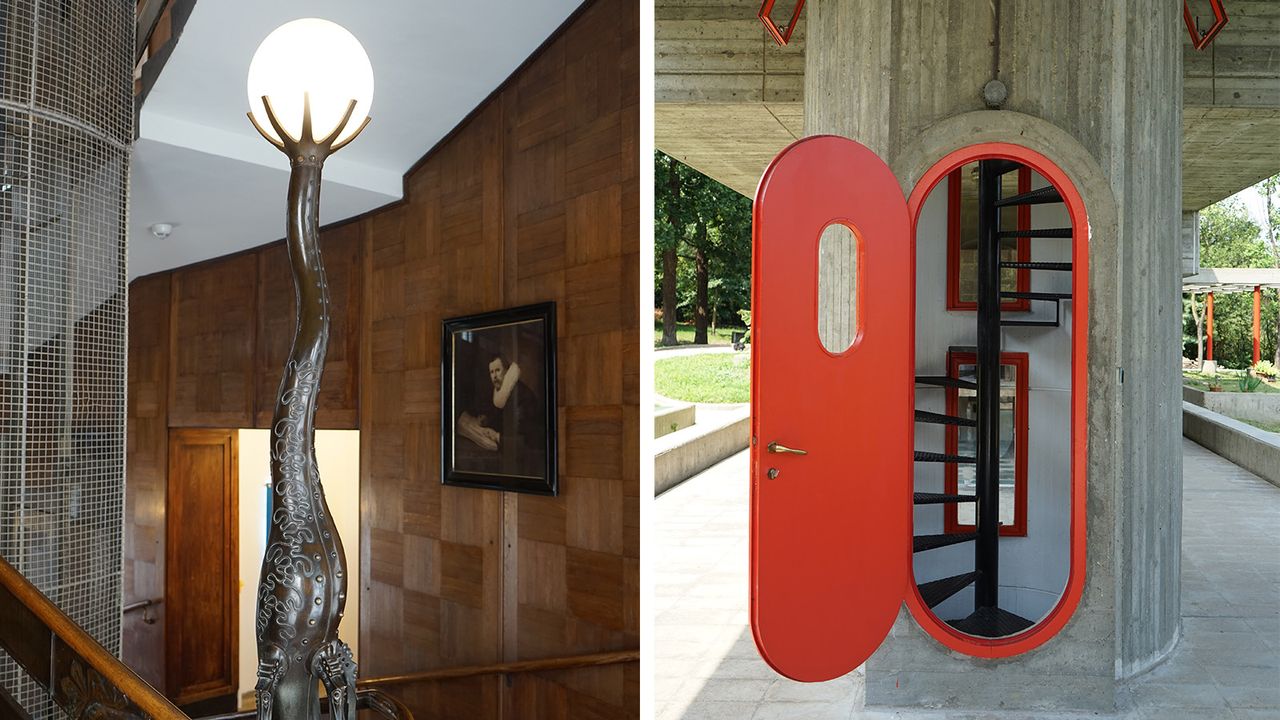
(354, 135)
(262, 131)
(307, 145)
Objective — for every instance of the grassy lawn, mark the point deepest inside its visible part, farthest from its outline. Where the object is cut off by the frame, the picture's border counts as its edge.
(708, 377)
(722, 335)
(1228, 380)
(1268, 426)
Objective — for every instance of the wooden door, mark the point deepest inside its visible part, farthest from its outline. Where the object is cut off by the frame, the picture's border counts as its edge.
(202, 575)
(830, 528)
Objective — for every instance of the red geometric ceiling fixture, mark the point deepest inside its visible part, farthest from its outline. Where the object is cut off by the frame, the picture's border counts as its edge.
(782, 35)
(1199, 41)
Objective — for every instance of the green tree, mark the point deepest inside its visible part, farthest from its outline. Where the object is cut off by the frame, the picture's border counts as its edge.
(1230, 239)
(1194, 306)
(668, 216)
(708, 227)
(1270, 191)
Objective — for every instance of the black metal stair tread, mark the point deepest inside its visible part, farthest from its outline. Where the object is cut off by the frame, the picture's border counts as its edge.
(945, 381)
(920, 543)
(939, 498)
(1019, 295)
(991, 622)
(935, 591)
(922, 456)
(1035, 197)
(1037, 233)
(1029, 323)
(925, 416)
(1060, 266)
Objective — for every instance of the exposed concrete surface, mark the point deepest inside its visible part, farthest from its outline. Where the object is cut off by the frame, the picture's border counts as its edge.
(728, 96)
(1238, 405)
(727, 99)
(680, 455)
(1226, 664)
(679, 416)
(1258, 451)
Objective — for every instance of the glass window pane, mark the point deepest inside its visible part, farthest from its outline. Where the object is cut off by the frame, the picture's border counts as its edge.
(966, 474)
(968, 256)
(837, 288)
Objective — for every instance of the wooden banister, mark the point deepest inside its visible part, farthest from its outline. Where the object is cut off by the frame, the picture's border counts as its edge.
(375, 700)
(523, 666)
(85, 679)
(77, 672)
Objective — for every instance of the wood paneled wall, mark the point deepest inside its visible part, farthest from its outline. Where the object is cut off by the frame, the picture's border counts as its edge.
(534, 198)
(146, 470)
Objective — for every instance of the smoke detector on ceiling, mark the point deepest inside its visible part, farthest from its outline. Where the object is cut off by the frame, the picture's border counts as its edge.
(161, 230)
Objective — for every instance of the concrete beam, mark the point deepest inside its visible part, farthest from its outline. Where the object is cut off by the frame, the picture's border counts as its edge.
(727, 97)
(731, 142)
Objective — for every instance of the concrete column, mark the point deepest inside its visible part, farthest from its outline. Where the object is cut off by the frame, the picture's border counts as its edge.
(1096, 86)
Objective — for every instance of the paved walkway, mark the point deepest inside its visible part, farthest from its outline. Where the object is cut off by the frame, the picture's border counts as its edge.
(677, 350)
(1227, 664)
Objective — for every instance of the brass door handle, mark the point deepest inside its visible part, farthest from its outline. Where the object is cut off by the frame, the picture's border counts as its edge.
(774, 447)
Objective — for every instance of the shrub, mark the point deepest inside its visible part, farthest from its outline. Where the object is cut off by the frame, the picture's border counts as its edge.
(1249, 383)
(1265, 369)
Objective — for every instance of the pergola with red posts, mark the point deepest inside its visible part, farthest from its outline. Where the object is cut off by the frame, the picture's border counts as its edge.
(1232, 280)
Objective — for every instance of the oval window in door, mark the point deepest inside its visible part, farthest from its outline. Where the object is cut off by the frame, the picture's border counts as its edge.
(837, 288)
(998, 529)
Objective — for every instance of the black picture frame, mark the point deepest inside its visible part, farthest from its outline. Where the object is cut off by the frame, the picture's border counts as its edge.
(498, 400)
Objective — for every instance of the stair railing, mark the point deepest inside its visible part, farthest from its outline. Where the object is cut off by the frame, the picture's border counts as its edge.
(509, 668)
(78, 673)
(377, 701)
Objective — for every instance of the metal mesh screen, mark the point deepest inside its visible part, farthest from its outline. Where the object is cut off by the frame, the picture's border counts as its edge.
(66, 124)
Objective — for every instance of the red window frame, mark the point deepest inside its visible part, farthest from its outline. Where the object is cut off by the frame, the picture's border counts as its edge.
(953, 245)
(1021, 364)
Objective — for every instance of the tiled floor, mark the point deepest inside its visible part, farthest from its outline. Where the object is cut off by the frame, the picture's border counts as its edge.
(1226, 666)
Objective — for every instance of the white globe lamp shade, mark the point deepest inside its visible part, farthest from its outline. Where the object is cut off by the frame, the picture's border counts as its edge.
(315, 58)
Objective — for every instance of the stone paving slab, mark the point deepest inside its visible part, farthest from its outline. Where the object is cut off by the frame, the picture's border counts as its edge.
(1227, 664)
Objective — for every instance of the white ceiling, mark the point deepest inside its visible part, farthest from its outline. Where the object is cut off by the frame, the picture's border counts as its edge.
(200, 166)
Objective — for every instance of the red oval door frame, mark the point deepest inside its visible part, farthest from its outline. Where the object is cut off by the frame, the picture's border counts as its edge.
(1062, 611)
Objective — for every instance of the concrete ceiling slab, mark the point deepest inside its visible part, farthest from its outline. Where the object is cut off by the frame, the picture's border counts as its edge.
(722, 88)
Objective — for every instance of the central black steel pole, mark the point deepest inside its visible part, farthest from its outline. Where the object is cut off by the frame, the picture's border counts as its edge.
(987, 550)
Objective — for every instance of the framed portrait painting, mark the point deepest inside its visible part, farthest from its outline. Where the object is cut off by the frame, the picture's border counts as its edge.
(498, 400)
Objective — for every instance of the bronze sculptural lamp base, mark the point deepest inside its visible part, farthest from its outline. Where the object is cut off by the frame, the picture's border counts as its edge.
(302, 591)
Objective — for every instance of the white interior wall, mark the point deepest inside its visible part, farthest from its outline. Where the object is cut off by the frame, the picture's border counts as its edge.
(1033, 569)
(338, 453)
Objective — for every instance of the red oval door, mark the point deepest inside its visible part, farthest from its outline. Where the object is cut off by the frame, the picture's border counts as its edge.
(830, 527)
